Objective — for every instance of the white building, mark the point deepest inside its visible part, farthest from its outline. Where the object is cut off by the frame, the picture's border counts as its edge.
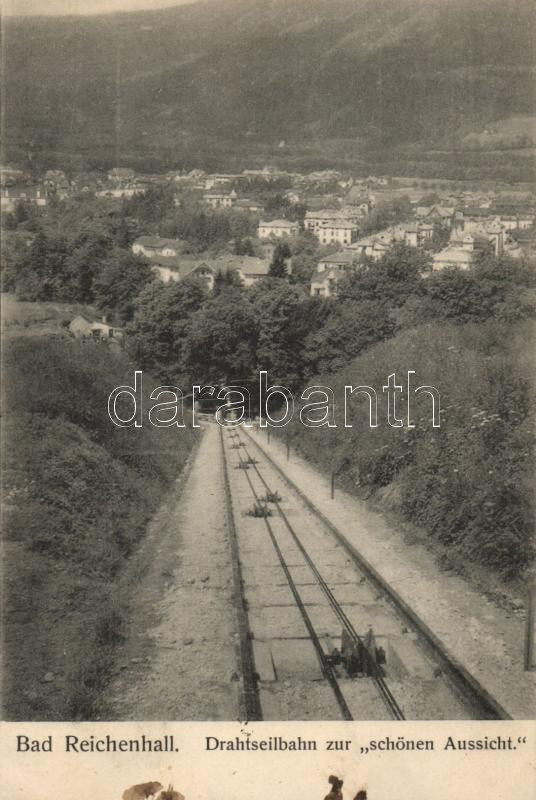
(278, 228)
(218, 199)
(11, 195)
(461, 252)
(83, 327)
(155, 246)
(176, 269)
(120, 191)
(341, 232)
(343, 261)
(332, 225)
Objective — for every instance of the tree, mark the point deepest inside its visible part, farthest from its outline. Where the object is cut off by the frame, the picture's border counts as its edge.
(349, 329)
(43, 271)
(438, 240)
(305, 250)
(278, 267)
(244, 247)
(121, 278)
(222, 338)
(495, 288)
(160, 327)
(224, 279)
(386, 214)
(283, 324)
(392, 279)
(89, 252)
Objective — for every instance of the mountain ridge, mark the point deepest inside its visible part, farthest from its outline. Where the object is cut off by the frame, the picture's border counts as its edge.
(384, 73)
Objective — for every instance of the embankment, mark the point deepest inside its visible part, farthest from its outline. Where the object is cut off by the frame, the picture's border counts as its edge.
(468, 483)
(78, 494)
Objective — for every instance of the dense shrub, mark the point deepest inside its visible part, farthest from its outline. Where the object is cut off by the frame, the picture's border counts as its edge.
(78, 495)
(467, 483)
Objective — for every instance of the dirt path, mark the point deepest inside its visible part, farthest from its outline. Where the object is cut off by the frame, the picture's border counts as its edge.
(180, 658)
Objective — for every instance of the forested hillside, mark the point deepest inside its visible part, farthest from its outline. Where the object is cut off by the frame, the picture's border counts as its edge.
(347, 78)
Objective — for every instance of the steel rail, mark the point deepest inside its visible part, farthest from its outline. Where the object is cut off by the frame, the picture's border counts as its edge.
(462, 680)
(250, 702)
(378, 678)
(327, 669)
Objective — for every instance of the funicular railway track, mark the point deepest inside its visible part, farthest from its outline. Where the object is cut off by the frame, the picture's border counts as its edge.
(307, 565)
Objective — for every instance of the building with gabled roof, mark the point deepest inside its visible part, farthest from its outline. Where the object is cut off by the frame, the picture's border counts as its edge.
(243, 204)
(121, 174)
(177, 268)
(155, 245)
(220, 199)
(83, 327)
(332, 226)
(278, 228)
(10, 195)
(343, 260)
(453, 257)
(249, 269)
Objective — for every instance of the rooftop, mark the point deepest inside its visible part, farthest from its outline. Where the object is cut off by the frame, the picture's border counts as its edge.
(157, 242)
(342, 257)
(278, 223)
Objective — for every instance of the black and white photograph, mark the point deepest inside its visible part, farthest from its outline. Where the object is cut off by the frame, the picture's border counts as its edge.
(268, 293)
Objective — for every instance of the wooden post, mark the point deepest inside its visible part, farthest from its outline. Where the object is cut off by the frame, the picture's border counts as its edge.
(530, 623)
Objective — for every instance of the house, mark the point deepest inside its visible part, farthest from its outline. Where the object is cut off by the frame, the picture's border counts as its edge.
(484, 238)
(55, 177)
(292, 196)
(248, 205)
(414, 235)
(121, 191)
(156, 246)
(473, 215)
(318, 219)
(435, 215)
(121, 174)
(453, 257)
(249, 269)
(324, 284)
(376, 245)
(344, 261)
(461, 251)
(515, 217)
(220, 180)
(358, 200)
(218, 199)
(512, 222)
(336, 232)
(166, 268)
(176, 268)
(279, 228)
(83, 327)
(522, 243)
(24, 193)
(10, 175)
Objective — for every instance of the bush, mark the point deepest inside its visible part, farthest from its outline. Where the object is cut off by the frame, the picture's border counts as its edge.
(467, 483)
(79, 494)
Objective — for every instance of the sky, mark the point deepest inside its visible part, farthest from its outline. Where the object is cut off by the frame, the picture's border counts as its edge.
(59, 7)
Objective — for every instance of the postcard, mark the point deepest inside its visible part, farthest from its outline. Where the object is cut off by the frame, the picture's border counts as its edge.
(268, 313)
